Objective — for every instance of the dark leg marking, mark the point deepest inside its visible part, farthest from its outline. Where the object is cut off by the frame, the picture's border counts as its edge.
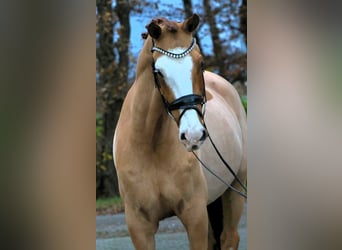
(215, 214)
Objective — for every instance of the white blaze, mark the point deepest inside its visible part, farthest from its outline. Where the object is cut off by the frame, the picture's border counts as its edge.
(178, 75)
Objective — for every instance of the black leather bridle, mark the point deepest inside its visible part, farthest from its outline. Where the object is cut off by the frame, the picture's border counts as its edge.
(183, 103)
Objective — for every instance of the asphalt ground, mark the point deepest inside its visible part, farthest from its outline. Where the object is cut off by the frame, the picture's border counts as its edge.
(112, 233)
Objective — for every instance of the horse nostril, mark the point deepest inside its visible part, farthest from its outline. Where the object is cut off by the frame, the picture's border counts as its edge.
(182, 137)
(204, 135)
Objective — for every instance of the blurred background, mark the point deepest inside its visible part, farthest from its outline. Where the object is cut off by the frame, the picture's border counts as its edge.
(222, 37)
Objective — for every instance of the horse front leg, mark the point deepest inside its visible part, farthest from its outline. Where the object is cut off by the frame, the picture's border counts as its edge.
(141, 228)
(195, 220)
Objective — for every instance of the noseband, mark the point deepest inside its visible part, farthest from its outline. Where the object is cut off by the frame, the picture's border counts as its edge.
(183, 103)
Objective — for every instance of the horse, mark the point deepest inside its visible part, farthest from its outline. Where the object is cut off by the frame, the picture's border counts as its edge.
(167, 115)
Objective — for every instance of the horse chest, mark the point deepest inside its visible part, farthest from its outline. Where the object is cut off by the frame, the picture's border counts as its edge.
(159, 191)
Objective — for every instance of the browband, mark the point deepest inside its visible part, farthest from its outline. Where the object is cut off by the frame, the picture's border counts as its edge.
(174, 55)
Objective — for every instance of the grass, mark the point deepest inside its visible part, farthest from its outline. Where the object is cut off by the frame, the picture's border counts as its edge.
(110, 205)
(107, 202)
(244, 102)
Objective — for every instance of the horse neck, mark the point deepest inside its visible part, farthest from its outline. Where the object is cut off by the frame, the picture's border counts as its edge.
(150, 121)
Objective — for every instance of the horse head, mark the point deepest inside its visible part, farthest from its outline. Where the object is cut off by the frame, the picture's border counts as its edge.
(178, 74)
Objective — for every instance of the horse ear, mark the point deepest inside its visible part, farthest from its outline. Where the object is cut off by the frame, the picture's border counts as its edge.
(191, 23)
(154, 30)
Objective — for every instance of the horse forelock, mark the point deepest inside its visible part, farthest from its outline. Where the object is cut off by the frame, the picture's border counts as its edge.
(167, 28)
(170, 26)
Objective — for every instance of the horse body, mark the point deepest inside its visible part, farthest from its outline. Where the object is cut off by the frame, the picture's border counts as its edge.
(226, 122)
(158, 177)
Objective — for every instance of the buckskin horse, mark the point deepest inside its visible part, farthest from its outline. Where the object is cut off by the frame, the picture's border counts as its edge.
(166, 116)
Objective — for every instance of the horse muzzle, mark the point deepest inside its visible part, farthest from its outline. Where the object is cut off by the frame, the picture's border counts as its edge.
(193, 139)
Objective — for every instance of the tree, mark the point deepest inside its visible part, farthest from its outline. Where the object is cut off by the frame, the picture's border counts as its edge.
(112, 85)
(243, 20)
(188, 12)
(214, 31)
(228, 22)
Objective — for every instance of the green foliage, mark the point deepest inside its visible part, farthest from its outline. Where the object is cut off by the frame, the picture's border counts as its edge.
(244, 101)
(108, 202)
(111, 205)
(99, 125)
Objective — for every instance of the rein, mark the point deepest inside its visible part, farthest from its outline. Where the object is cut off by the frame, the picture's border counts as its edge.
(226, 164)
(188, 102)
(218, 177)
